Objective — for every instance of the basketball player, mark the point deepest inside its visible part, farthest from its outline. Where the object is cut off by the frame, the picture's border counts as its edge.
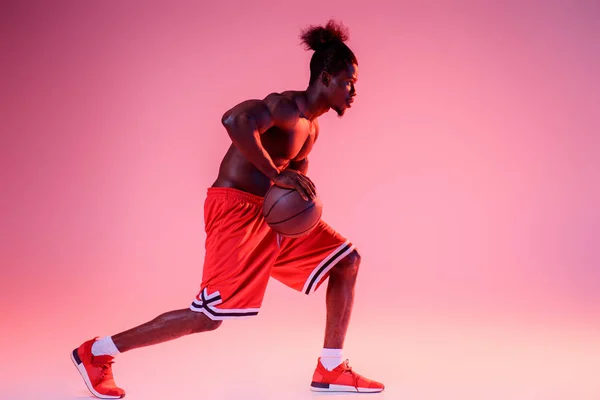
(271, 141)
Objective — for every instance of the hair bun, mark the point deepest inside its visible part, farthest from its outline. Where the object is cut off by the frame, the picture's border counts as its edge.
(320, 37)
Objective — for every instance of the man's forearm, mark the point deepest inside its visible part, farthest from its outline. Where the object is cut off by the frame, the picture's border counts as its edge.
(246, 139)
(300, 166)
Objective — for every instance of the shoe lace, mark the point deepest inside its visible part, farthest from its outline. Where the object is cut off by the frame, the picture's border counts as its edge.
(348, 369)
(106, 371)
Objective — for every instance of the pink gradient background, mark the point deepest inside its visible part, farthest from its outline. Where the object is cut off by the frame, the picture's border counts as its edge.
(467, 172)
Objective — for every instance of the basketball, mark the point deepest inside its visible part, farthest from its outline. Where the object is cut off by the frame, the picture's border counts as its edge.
(288, 214)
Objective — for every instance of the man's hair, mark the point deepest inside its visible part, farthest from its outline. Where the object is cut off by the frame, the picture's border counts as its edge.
(330, 52)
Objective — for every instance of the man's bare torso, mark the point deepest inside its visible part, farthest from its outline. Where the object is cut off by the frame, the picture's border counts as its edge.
(286, 148)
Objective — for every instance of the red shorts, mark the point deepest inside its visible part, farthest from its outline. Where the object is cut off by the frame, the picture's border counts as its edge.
(242, 253)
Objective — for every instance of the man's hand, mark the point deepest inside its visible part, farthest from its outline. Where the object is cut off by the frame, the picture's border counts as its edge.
(291, 179)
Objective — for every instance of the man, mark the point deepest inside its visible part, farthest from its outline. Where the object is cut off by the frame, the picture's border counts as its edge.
(271, 140)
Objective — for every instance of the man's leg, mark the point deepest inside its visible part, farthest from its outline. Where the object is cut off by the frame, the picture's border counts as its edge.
(94, 358)
(331, 373)
(340, 299)
(304, 264)
(165, 327)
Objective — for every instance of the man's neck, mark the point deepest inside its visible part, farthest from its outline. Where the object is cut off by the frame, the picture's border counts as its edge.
(316, 104)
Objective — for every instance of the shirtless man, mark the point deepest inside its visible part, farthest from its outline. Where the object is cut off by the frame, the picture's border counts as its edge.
(271, 140)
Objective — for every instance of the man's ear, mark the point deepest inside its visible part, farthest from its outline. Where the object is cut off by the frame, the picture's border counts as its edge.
(325, 78)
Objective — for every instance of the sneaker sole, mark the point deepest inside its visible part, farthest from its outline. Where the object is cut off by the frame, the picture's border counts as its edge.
(81, 368)
(328, 387)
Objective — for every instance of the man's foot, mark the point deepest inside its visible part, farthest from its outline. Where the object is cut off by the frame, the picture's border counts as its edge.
(96, 372)
(342, 379)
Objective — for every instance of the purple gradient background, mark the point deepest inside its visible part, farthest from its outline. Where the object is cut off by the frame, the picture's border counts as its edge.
(467, 172)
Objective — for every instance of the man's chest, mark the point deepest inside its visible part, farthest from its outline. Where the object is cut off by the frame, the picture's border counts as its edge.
(294, 143)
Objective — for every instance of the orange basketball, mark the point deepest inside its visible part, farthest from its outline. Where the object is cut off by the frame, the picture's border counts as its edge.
(288, 214)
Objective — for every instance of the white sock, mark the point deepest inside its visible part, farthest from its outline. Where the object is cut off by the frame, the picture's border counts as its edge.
(331, 358)
(104, 346)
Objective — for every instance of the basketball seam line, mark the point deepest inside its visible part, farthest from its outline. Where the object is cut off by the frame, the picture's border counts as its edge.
(304, 231)
(277, 201)
(293, 216)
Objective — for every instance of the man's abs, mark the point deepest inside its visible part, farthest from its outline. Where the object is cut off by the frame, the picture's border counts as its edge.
(238, 173)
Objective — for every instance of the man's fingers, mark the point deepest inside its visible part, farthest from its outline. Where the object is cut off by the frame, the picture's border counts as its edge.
(313, 189)
(304, 186)
(310, 186)
(284, 185)
(303, 193)
(310, 190)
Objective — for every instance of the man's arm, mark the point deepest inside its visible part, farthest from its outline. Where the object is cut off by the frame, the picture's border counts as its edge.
(248, 120)
(300, 166)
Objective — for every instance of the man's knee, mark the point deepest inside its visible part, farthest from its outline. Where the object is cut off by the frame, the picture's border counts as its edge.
(204, 324)
(213, 325)
(348, 265)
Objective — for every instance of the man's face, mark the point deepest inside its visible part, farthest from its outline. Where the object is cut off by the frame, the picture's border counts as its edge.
(341, 89)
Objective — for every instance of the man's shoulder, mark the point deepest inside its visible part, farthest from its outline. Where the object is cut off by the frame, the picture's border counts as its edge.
(287, 98)
(282, 105)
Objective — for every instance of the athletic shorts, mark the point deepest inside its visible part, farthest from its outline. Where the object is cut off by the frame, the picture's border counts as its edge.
(242, 253)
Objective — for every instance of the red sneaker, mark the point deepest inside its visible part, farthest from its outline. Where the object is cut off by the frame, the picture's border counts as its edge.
(342, 379)
(96, 372)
